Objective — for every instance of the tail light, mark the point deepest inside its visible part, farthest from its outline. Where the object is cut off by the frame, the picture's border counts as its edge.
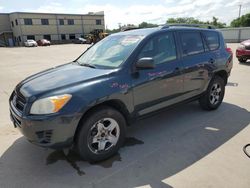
(229, 50)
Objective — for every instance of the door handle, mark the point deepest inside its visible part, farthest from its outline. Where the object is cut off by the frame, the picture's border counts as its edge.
(211, 60)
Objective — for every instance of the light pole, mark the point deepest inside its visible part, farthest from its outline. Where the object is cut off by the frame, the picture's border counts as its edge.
(240, 10)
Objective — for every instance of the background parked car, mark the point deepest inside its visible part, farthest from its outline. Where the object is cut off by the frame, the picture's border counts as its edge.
(30, 43)
(79, 41)
(243, 51)
(43, 42)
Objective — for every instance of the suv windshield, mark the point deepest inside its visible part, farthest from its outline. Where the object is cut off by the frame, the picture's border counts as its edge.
(111, 51)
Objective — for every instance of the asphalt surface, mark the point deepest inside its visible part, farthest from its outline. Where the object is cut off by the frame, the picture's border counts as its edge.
(180, 147)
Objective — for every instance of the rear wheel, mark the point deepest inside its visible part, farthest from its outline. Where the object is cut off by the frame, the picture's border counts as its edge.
(214, 95)
(242, 60)
(101, 134)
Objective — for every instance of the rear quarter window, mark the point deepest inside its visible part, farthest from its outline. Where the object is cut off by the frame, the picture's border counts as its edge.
(191, 43)
(212, 40)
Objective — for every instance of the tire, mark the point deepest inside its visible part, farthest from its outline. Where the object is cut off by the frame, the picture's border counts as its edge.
(101, 134)
(241, 60)
(214, 95)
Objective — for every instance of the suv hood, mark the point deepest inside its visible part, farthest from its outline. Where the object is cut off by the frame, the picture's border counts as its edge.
(59, 77)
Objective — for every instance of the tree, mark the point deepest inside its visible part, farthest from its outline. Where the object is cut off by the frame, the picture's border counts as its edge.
(243, 21)
(191, 20)
(147, 25)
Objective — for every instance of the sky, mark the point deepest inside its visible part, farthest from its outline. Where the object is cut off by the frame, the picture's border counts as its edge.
(135, 11)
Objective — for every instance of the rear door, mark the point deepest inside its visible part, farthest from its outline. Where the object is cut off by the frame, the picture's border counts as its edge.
(194, 61)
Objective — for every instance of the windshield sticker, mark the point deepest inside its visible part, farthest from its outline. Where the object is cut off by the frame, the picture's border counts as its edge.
(130, 40)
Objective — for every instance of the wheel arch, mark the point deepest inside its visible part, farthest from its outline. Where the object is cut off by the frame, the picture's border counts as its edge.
(223, 74)
(114, 103)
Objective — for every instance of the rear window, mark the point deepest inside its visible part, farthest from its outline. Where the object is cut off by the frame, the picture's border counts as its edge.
(191, 43)
(212, 40)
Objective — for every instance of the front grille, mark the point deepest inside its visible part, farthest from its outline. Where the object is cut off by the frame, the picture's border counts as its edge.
(18, 100)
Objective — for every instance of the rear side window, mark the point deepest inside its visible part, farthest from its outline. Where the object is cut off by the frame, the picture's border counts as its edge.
(191, 43)
(212, 40)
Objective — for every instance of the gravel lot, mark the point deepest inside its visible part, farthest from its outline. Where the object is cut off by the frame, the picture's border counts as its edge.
(180, 147)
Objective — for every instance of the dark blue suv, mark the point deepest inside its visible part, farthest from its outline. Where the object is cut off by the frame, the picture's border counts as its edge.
(88, 103)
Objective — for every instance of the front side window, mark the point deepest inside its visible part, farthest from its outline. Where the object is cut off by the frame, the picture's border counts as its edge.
(111, 51)
(191, 43)
(161, 48)
(28, 21)
(212, 40)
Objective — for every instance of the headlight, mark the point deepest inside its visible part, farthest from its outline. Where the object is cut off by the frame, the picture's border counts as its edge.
(241, 46)
(49, 105)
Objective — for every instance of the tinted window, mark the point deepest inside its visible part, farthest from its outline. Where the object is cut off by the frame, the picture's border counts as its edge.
(191, 43)
(45, 21)
(63, 36)
(212, 40)
(28, 21)
(47, 37)
(61, 21)
(72, 36)
(98, 22)
(70, 22)
(160, 48)
(30, 37)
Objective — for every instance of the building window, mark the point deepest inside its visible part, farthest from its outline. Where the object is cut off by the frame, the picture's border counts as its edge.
(63, 36)
(45, 21)
(30, 37)
(72, 36)
(12, 23)
(98, 22)
(70, 22)
(28, 21)
(16, 22)
(61, 21)
(47, 37)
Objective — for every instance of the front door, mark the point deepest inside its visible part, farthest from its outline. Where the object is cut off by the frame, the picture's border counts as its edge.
(159, 87)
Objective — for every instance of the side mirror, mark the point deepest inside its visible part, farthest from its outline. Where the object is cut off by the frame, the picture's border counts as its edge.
(145, 63)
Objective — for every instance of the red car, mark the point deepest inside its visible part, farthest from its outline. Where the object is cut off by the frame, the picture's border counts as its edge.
(43, 42)
(243, 51)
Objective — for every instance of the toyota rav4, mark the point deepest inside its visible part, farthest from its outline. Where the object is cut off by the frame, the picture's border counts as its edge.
(88, 103)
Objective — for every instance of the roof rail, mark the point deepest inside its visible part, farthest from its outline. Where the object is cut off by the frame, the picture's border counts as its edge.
(207, 26)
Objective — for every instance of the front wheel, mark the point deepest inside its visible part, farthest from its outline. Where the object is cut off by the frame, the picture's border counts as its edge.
(214, 95)
(101, 135)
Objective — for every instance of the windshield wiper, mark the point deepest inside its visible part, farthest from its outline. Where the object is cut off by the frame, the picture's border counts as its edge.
(86, 65)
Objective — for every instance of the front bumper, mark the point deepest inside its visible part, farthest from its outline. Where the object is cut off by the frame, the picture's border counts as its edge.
(55, 131)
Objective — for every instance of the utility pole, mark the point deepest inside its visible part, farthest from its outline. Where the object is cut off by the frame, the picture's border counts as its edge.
(239, 10)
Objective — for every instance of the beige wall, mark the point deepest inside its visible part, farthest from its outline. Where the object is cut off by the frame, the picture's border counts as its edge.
(4, 23)
(83, 24)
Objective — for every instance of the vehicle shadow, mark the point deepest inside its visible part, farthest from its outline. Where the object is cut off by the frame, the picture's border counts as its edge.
(160, 146)
(246, 63)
